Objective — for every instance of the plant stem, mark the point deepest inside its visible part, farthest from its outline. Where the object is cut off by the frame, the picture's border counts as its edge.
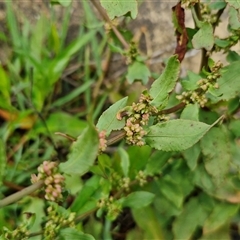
(173, 109)
(106, 18)
(20, 194)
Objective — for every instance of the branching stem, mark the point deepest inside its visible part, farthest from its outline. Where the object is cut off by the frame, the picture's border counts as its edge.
(20, 194)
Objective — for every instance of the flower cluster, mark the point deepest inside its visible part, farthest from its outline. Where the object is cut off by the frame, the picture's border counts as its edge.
(57, 218)
(53, 180)
(193, 97)
(141, 178)
(21, 232)
(137, 117)
(198, 95)
(124, 183)
(102, 141)
(112, 207)
(189, 3)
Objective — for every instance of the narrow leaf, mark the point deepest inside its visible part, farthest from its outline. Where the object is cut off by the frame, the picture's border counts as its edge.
(83, 153)
(60, 62)
(108, 120)
(3, 160)
(176, 135)
(124, 161)
(162, 87)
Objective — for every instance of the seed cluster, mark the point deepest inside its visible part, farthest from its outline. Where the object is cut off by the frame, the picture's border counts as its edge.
(137, 117)
(21, 232)
(198, 95)
(56, 220)
(112, 207)
(142, 178)
(102, 141)
(53, 180)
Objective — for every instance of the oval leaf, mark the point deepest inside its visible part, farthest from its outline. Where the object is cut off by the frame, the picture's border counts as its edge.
(116, 8)
(176, 135)
(204, 37)
(138, 71)
(83, 153)
(229, 82)
(163, 86)
(138, 199)
(74, 234)
(216, 149)
(108, 120)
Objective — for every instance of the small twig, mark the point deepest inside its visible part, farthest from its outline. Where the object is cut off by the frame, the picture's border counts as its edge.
(20, 194)
(106, 18)
(173, 109)
(72, 139)
(116, 137)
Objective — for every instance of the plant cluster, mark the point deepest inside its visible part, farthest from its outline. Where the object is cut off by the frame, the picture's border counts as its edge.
(161, 166)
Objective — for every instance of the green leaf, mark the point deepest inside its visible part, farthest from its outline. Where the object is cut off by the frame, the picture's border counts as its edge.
(190, 83)
(204, 38)
(3, 161)
(138, 163)
(138, 71)
(203, 179)
(191, 156)
(124, 161)
(149, 223)
(192, 216)
(117, 8)
(217, 5)
(156, 161)
(221, 214)
(108, 120)
(60, 122)
(60, 62)
(216, 149)
(5, 86)
(229, 82)
(171, 190)
(222, 42)
(75, 93)
(176, 135)
(191, 112)
(83, 153)
(234, 3)
(234, 18)
(163, 86)
(74, 234)
(234, 126)
(65, 3)
(89, 188)
(138, 199)
(232, 56)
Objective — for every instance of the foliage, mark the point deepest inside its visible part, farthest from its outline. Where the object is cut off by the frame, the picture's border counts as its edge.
(163, 165)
